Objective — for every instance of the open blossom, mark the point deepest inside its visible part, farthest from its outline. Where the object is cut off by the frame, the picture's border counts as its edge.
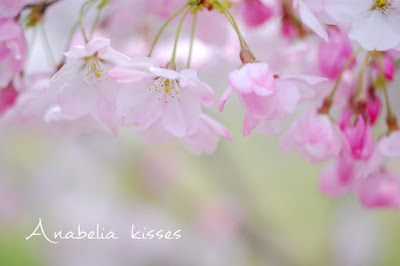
(314, 136)
(13, 50)
(167, 105)
(254, 12)
(333, 55)
(84, 89)
(380, 190)
(374, 23)
(159, 95)
(268, 99)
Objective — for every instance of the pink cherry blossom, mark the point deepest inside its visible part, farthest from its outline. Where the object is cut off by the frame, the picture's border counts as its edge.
(161, 96)
(267, 99)
(389, 68)
(380, 190)
(13, 50)
(254, 12)
(84, 89)
(374, 23)
(314, 136)
(333, 55)
(8, 95)
(358, 135)
(374, 107)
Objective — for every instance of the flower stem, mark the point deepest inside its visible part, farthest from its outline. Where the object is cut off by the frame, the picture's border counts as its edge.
(360, 81)
(390, 118)
(346, 66)
(326, 106)
(96, 20)
(177, 36)
(84, 9)
(233, 23)
(192, 37)
(164, 26)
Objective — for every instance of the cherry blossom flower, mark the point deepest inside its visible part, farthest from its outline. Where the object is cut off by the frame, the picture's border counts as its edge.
(267, 99)
(314, 136)
(380, 190)
(373, 108)
(84, 89)
(254, 12)
(159, 95)
(374, 23)
(389, 68)
(13, 50)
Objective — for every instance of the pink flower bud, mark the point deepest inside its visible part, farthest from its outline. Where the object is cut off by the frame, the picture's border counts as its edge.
(8, 95)
(373, 108)
(359, 139)
(388, 67)
(255, 13)
(334, 54)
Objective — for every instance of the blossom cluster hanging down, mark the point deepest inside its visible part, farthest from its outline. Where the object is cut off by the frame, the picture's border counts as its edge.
(336, 60)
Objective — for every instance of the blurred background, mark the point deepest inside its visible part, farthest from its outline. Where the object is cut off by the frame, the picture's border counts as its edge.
(246, 204)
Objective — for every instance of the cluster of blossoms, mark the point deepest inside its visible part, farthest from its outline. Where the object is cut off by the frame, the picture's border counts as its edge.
(97, 87)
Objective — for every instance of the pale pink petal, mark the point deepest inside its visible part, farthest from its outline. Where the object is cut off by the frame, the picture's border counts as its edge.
(288, 96)
(189, 80)
(224, 98)
(205, 139)
(134, 70)
(182, 118)
(253, 78)
(381, 190)
(390, 145)
(311, 21)
(374, 32)
(347, 11)
(249, 123)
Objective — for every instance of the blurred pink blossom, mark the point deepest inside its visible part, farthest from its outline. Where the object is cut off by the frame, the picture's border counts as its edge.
(380, 190)
(13, 50)
(255, 12)
(315, 137)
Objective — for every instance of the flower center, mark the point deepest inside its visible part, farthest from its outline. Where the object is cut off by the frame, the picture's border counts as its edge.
(384, 6)
(93, 66)
(166, 90)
